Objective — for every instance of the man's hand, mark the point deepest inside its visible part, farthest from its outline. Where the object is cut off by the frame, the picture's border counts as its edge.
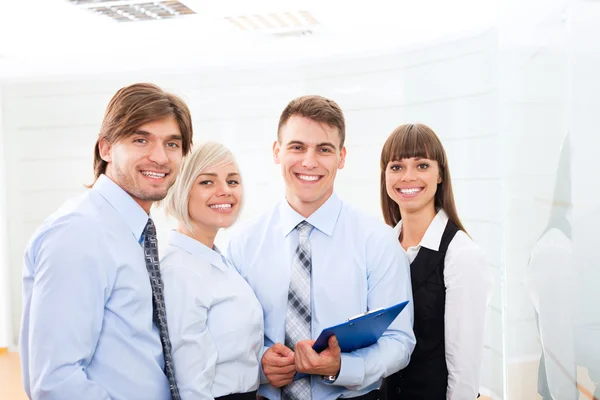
(278, 365)
(327, 363)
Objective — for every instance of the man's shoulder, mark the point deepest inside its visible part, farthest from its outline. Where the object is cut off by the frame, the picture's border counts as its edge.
(365, 224)
(253, 226)
(80, 217)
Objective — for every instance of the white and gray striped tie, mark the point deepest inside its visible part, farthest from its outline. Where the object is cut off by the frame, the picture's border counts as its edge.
(298, 318)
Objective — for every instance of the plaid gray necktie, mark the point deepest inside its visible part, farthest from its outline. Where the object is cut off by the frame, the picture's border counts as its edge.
(158, 303)
(298, 319)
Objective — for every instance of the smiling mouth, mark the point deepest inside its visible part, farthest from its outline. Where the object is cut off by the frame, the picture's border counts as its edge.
(309, 178)
(154, 174)
(409, 192)
(222, 207)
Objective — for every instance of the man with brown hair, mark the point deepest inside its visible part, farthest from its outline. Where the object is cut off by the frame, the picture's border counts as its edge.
(313, 261)
(93, 324)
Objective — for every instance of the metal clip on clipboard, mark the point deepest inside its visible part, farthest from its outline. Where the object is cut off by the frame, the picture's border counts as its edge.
(365, 314)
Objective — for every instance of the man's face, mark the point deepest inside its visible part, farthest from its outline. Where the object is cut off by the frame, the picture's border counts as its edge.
(146, 163)
(310, 155)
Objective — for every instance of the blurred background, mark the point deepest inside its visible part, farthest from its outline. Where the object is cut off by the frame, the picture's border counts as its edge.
(511, 87)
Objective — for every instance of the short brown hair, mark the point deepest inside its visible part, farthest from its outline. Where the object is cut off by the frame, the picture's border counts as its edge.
(316, 108)
(136, 105)
(417, 140)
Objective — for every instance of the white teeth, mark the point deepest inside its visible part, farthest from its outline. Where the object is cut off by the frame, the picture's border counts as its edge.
(222, 206)
(410, 191)
(154, 174)
(308, 177)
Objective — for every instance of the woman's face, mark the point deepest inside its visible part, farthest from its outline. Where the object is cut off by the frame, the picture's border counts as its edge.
(216, 197)
(412, 183)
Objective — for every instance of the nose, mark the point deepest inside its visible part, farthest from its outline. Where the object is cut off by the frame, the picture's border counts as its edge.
(408, 175)
(158, 154)
(223, 190)
(310, 160)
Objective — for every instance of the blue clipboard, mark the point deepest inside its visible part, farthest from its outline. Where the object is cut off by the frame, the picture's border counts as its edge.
(360, 331)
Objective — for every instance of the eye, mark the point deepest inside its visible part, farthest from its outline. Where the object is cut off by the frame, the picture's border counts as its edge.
(395, 167)
(206, 182)
(423, 166)
(233, 182)
(173, 145)
(140, 140)
(325, 150)
(296, 148)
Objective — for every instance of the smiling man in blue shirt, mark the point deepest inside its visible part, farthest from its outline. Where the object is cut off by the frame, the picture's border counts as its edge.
(313, 261)
(87, 330)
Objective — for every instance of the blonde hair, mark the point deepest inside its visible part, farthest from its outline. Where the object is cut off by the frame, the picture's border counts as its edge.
(207, 155)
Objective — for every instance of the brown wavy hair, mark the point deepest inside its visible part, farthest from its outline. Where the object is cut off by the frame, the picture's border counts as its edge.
(318, 109)
(134, 106)
(417, 140)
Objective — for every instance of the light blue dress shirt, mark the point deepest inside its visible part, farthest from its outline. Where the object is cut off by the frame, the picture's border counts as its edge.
(87, 330)
(215, 321)
(357, 266)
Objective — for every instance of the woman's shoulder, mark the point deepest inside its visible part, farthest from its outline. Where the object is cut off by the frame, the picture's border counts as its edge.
(465, 249)
(180, 262)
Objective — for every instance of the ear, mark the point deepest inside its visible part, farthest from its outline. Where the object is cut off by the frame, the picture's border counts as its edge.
(342, 158)
(105, 150)
(439, 179)
(276, 150)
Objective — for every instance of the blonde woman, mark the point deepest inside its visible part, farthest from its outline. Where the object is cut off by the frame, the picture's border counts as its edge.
(215, 321)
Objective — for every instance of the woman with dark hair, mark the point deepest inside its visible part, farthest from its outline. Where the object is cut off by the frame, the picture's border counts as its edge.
(450, 275)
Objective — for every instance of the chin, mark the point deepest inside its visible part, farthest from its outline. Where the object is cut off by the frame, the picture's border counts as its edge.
(156, 196)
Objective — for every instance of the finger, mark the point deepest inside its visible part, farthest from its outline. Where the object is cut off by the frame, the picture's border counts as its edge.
(288, 369)
(334, 345)
(281, 349)
(280, 380)
(278, 361)
(305, 347)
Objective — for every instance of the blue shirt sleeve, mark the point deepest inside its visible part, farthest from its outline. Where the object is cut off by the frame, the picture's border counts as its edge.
(388, 278)
(235, 256)
(72, 271)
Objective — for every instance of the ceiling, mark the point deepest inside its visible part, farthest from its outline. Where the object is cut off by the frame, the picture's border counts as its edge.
(54, 37)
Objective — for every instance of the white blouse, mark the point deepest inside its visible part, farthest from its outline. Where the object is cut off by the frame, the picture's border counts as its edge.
(469, 285)
(215, 321)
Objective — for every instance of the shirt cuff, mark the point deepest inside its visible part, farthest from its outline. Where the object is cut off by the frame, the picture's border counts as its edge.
(263, 377)
(352, 371)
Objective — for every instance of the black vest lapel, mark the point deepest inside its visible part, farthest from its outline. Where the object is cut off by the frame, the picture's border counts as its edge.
(425, 264)
(427, 261)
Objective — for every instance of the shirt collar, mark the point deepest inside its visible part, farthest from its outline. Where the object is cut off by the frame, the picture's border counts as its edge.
(433, 235)
(323, 219)
(133, 214)
(196, 248)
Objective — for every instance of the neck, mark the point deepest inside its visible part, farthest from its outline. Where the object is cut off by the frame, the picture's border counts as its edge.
(204, 236)
(306, 209)
(414, 226)
(145, 204)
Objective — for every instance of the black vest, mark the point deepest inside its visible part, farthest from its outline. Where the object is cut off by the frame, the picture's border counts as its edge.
(426, 376)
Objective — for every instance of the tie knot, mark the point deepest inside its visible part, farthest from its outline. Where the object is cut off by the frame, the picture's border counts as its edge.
(150, 229)
(304, 229)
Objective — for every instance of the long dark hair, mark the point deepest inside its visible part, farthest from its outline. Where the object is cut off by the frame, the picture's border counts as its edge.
(417, 140)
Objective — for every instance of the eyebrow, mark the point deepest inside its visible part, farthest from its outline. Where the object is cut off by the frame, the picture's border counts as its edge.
(214, 174)
(409, 158)
(174, 136)
(323, 144)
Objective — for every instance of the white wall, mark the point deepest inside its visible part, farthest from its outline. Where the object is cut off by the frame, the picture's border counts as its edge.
(548, 74)
(533, 106)
(6, 331)
(51, 127)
